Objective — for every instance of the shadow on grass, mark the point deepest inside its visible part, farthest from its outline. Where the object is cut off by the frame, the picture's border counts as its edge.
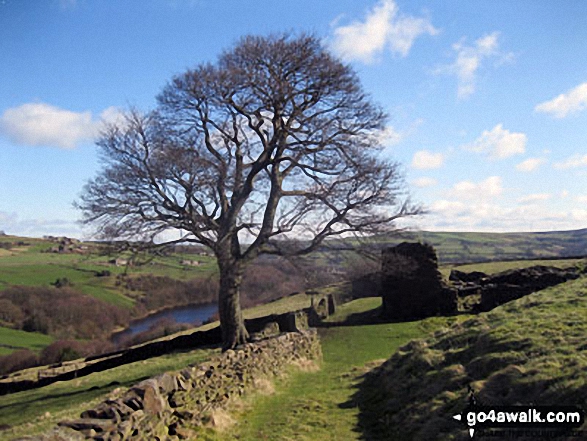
(372, 424)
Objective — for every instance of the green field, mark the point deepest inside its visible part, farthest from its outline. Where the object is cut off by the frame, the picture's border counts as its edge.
(29, 262)
(32, 266)
(13, 339)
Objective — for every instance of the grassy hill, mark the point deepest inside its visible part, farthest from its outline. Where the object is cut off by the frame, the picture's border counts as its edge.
(531, 350)
(14, 339)
(464, 247)
(480, 247)
(374, 386)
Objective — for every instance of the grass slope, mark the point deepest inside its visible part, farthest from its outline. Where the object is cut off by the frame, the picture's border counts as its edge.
(530, 351)
(496, 267)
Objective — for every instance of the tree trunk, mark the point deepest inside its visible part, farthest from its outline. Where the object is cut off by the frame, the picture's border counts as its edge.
(229, 309)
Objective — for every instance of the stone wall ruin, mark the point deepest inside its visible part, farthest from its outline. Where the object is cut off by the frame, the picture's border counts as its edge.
(500, 288)
(411, 285)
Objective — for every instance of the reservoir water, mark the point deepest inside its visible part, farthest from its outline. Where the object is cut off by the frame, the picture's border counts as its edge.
(182, 314)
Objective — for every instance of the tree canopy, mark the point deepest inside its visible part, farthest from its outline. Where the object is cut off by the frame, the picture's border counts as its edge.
(272, 149)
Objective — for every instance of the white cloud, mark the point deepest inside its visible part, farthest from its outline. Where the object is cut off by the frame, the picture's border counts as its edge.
(575, 161)
(572, 101)
(499, 143)
(382, 26)
(41, 124)
(535, 197)
(12, 224)
(7, 218)
(112, 115)
(579, 215)
(426, 160)
(484, 206)
(469, 59)
(425, 182)
(487, 189)
(389, 137)
(68, 4)
(444, 205)
(530, 164)
(475, 215)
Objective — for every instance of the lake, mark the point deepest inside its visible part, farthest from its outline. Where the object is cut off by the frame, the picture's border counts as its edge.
(181, 314)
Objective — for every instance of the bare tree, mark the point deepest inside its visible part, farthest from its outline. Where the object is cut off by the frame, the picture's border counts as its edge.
(272, 149)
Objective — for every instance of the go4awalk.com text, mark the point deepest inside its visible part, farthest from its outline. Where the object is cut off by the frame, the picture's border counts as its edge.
(515, 421)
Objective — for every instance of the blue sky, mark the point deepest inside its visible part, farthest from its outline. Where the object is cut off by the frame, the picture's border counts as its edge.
(487, 98)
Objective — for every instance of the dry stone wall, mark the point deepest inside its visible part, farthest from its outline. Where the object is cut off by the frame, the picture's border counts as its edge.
(168, 406)
(288, 322)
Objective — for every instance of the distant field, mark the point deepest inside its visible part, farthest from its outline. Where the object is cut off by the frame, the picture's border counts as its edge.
(33, 266)
(475, 247)
(30, 262)
(13, 339)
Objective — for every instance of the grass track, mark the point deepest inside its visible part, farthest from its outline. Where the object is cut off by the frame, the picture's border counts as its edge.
(316, 405)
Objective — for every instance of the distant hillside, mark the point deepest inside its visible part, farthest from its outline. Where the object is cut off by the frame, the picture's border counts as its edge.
(479, 247)
(465, 247)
